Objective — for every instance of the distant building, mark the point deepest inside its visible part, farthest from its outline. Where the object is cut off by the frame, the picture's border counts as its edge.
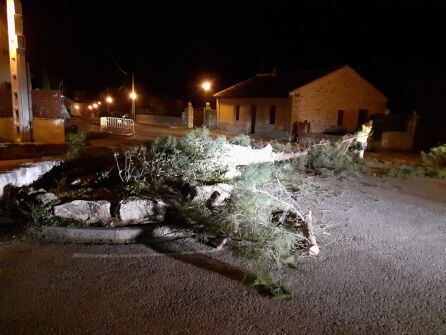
(269, 105)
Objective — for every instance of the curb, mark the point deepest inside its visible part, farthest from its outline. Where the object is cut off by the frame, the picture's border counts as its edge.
(99, 235)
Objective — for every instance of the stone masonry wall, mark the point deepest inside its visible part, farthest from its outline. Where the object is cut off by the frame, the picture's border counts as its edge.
(344, 89)
(226, 116)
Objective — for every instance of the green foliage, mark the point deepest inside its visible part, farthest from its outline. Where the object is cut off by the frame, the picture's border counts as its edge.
(262, 216)
(76, 194)
(282, 147)
(266, 285)
(242, 139)
(37, 215)
(434, 161)
(201, 156)
(77, 144)
(138, 188)
(403, 171)
(41, 215)
(332, 156)
(301, 163)
(164, 144)
(192, 159)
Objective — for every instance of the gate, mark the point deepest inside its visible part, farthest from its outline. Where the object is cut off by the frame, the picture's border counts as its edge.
(116, 125)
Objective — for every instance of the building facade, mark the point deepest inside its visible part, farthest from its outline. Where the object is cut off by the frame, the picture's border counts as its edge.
(269, 105)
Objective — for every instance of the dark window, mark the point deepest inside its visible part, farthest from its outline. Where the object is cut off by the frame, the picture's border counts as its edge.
(237, 113)
(272, 114)
(340, 118)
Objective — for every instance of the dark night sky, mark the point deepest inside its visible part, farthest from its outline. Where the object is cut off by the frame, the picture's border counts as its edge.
(171, 46)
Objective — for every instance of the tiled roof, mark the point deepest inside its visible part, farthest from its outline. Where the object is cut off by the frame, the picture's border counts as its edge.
(273, 85)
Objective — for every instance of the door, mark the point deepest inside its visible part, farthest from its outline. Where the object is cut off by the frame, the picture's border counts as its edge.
(253, 119)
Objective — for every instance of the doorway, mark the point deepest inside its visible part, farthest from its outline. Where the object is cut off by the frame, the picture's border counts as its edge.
(253, 119)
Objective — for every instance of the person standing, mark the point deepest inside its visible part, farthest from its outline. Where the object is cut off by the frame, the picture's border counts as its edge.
(362, 137)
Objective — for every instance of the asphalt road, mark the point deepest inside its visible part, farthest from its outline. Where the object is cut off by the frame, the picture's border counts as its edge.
(382, 271)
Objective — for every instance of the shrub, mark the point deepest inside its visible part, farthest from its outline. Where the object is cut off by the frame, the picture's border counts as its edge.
(332, 156)
(77, 144)
(41, 215)
(195, 158)
(282, 147)
(403, 171)
(200, 155)
(242, 139)
(434, 161)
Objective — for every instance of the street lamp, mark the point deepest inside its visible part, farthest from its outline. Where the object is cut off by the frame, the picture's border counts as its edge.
(95, 106)
(133, 97)
(109, 101)
(206, 86)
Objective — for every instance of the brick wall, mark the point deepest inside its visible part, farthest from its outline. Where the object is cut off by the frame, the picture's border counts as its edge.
(46, 104)
(344, 89)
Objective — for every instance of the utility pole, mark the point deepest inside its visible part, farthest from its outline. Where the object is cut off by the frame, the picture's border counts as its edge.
(20, 79)
(133, 97)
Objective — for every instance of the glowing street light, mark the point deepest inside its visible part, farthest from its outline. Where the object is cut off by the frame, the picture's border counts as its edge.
(76, 107)
(95, 106)
(133, 97)
(206, 86)
(90, 107)
(109, 100)
(99, 103)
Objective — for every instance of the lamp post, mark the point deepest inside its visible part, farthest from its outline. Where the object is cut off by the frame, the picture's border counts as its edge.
(133, 97)
(206, 86)
(109, 101)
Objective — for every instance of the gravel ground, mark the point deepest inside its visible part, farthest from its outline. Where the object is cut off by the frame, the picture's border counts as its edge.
(382, 270)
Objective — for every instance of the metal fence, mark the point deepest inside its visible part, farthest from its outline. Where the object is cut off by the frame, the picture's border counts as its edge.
(117, 125)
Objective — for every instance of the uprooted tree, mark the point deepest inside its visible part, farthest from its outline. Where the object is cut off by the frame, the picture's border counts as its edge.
(261, 220)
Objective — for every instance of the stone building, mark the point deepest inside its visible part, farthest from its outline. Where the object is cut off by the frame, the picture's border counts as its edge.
(48, 124)
(4, 50)
(269, 105)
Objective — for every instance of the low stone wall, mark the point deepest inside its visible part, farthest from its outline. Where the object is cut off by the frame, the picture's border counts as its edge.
(235, 128)
(6, 129)
(397, 140)
(272, 132)
(159, 120)
(10, 151)
(44, 130)
(261, 131)
(48, 130)
(86, 235)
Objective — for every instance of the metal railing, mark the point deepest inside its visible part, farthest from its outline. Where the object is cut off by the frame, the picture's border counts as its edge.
(118, 125)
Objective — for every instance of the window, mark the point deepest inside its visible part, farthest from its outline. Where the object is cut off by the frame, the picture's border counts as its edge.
(340, 118)
(237, 113)
(272, 114)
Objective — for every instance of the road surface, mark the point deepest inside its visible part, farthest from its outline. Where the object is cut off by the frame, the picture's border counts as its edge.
(382, 270)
